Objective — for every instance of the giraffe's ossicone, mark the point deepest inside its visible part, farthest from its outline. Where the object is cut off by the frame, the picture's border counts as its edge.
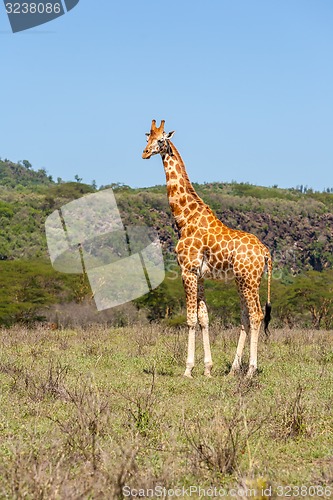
(207, 248)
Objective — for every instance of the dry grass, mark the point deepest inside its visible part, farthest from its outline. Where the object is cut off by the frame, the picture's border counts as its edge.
(93, 413)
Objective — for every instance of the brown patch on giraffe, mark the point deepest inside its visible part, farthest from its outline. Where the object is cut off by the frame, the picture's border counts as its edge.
(179, 249)
(197, 243)
(223, 246)
(226, 265)
(187, 242)
(213, 259)
(203, 222)
(216, 248)
(177, 211)
(189, 230)
(210, 240)
(173, 190)
(231, 245)
(218, 256)
(173, 175)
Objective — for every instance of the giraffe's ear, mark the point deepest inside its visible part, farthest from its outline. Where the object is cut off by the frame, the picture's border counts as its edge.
(170, 134)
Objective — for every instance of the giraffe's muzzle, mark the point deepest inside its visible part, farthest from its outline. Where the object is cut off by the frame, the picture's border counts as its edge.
(146, 154)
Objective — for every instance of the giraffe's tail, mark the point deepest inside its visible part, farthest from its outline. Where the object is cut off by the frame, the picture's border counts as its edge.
(268, 306)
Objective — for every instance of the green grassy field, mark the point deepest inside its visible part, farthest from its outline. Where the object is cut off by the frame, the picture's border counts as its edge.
(106, 413)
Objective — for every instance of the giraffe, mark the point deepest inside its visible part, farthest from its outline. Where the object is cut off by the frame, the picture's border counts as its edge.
(207, 248)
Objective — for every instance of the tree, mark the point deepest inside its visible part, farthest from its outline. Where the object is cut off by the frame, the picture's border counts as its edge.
(158, 303)
(313, 292)
(27, 164)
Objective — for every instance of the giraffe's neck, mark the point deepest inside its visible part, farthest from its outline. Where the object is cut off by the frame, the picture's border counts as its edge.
(186, 205)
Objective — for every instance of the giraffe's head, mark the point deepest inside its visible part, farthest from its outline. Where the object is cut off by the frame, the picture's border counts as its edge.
(157, 141)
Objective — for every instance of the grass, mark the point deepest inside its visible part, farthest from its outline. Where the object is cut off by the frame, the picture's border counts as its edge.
(102, 413)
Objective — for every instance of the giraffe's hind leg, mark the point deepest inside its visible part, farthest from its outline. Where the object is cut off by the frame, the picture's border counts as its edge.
(256, 316)
(204, 325)
(245, 328)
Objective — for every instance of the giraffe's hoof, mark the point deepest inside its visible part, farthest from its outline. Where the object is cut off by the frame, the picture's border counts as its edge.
(208, 369)
(188, 374)
(235, 370)
(251, 371)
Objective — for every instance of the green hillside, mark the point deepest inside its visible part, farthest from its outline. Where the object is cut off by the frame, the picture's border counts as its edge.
(296, 225)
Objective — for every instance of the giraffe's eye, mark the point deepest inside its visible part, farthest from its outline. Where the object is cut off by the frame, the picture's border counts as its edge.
(160, 142)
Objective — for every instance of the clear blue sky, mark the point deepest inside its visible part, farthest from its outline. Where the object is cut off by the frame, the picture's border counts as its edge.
(246, 84)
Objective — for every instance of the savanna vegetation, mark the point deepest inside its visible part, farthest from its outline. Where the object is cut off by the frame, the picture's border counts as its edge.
(105, 413)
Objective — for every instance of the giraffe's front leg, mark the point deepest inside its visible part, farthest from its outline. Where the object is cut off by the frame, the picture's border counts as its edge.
(190, 282)
(204, 325)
